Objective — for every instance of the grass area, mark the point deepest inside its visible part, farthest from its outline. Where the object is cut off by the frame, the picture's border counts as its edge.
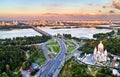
(52, 42)
(68, 42)
(54, 55)
(70, 45)
(48, 48)
(70, 49)
(56, 49)
(74, 69)
(53, 46)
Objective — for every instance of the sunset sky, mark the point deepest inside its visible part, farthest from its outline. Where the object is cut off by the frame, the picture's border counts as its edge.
(59, 8)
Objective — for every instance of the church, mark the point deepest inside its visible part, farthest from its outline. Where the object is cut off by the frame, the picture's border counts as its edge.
(100, 54)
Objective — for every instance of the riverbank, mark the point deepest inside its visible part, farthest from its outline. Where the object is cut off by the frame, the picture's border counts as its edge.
(13, 27)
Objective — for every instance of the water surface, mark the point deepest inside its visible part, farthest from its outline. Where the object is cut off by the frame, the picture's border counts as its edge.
(18, 33)
(76, 32)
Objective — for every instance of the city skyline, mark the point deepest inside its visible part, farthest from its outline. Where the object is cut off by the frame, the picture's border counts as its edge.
(60, 9)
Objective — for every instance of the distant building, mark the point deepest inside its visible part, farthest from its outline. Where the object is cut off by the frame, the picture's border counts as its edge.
(15, 22)
(43, 23)
(3, 23)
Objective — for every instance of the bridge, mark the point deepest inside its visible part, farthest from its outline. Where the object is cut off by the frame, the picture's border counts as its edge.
(41, 31)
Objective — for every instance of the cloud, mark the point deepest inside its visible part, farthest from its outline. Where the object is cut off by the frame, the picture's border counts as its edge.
(99, 11)
(116, 4)
(111, 11)
(90, 4)
(104, 6)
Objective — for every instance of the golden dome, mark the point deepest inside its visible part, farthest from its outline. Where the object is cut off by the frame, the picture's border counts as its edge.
(100, 46)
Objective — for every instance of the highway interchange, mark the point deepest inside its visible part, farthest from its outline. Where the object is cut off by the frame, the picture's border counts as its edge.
(51, 68)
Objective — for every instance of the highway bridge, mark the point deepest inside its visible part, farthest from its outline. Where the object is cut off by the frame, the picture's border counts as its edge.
(41, 31)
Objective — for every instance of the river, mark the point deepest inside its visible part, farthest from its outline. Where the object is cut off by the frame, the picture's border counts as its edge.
(18, 33)
(76, 32)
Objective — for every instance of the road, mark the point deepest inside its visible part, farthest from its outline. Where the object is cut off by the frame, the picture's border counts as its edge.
(45, 51)
(51, 68)
(71, 54)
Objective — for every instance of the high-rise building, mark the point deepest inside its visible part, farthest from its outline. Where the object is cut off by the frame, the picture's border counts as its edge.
(3, 23)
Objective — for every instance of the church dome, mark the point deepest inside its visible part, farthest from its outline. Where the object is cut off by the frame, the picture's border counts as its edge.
(100, 46)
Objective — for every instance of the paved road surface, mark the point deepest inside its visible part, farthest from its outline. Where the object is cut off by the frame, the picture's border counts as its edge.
(49, 70)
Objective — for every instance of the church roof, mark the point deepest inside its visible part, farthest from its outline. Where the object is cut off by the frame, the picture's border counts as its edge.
(100, 45)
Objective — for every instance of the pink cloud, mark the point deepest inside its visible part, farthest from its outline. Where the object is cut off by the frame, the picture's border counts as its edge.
(116, 4)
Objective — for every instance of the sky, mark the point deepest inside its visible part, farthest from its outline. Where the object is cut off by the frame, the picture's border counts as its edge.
(59, 9)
